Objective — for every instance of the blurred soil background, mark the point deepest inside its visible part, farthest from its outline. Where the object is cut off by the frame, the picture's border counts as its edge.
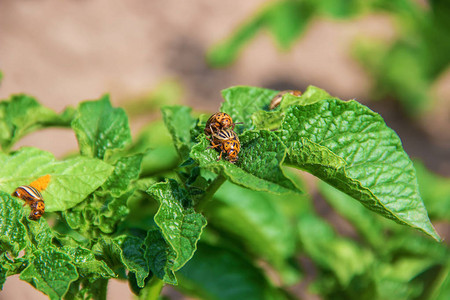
(64, 52)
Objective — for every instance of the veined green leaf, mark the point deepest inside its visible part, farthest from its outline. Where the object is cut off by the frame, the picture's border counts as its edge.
(22, 114)
(133, 256)
(12, 231)
(160, 256)
(351, 148)
(180, 225)
(218, 273)
(259, 164)
(87, 265)
(51, 272)
(126, 170)
(100, 128)
(71, 180)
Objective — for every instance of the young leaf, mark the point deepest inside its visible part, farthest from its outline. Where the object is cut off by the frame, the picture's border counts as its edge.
(217, 273)
(87, 265)
(22, 114)
(259, 164)
(180, 225)
(100, 128)
(12, 231)
(351, 148)
(71, 180)
(51, 272)
(126, 170)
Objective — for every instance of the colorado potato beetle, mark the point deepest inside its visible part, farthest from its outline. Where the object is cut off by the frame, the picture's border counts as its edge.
(226, 141)
(32, 196)
(217, 122)
(276, 100)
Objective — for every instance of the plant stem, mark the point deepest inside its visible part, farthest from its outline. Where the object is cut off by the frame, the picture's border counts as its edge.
(210, 191)
(152, 290)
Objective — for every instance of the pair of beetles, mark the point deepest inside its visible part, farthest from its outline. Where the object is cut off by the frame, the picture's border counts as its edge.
(219, 131)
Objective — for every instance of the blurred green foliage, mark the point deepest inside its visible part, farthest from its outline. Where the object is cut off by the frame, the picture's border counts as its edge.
(406, 68)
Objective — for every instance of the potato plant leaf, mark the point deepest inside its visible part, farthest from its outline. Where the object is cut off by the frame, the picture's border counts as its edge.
(22, 114)
(133, 256)
(51, 272)
(259, 164)
(126, 170)
(180, 225)
(101, 129)
(351, 148)
(87, 265)
(12, 231)
(71, 180)
(160, 256)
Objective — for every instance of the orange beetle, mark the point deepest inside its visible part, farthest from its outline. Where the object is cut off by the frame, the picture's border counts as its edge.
(217, 122)
(32, 196)
(227, 142)
(276, 100)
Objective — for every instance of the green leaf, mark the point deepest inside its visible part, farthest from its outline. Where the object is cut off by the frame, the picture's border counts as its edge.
(259, 164)
(86, 263)
(71, 181)
(180, 225)
(217, 273)
(51, 272)
(159, 256)
(126, 170)
(242, 101)
(39, 233)
(133, 256)
(179, 121)
(350, 147)
(101, 129)
(435, 191)
(22, 114)
(258, 221)
(12, 231)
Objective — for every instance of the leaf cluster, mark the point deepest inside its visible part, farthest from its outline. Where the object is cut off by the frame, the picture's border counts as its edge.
(136, 210)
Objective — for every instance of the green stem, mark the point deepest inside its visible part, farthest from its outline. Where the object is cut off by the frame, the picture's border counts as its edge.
(152, 290)
(209, 193)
